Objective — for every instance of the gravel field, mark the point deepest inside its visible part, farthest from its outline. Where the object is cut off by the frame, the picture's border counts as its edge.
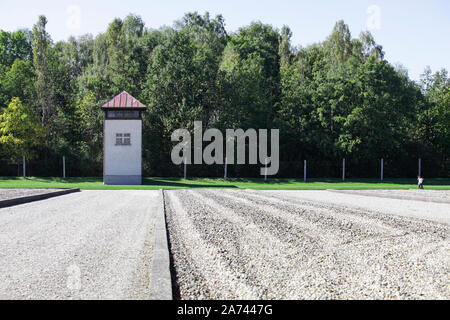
(438, 212)
(241, 244)
(86, 245)
(439, 196)
(6, 194)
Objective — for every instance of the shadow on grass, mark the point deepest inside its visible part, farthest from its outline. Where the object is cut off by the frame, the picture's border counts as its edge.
(55, 179)
(405, 181)
(203, 182)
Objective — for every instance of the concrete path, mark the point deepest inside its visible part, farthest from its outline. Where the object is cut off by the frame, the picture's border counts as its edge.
(86, 245)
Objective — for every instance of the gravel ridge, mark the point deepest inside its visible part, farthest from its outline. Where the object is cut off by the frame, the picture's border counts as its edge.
(236, 244)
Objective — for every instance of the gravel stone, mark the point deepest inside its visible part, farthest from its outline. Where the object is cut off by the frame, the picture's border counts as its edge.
(438, 196)
(242, 244)
(438, 212)
(86, 245)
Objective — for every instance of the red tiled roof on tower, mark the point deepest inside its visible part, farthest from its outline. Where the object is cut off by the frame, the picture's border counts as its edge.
(123, 100)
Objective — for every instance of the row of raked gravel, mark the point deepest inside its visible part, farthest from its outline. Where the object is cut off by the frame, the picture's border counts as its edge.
(437, 196)
(236, 244)
(430, 194)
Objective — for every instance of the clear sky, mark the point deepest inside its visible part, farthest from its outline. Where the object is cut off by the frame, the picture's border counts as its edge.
(413, 33)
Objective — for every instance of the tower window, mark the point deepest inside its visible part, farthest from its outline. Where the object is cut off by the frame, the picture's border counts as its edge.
(119, 139)
(127, 139)
(123, 115)
(123, 139)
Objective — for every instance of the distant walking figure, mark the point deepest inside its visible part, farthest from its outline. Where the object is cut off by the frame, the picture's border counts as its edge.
(419, 182)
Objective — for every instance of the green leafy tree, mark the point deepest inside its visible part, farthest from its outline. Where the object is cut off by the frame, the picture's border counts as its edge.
(433, 126)
(42, 66)
(21, 132)
(18, 81)
(251, 67)
(336, 98)
(14, 45)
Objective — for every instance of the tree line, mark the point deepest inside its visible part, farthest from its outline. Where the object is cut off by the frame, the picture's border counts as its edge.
(339, 98)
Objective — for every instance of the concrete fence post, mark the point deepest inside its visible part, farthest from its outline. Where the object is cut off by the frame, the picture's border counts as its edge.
(265, 172)
(185, 168)
(24, 167)
(343, 169)
(420, 167)
(225, 169)
(64, 166)
(382, 163)
(304, 171)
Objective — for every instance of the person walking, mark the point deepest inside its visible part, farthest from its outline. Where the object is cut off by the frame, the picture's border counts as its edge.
(419, 182)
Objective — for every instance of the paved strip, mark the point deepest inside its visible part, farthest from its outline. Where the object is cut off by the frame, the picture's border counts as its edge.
(13, 197)
(160, 276)
(229, 244)
(87, 245)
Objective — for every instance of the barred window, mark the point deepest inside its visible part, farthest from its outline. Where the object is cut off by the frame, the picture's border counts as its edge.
(123, 115)
(123, 139)
(119, 139)
(127, 139)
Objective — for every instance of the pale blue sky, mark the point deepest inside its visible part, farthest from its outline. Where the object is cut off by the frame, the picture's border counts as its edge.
(414, 33)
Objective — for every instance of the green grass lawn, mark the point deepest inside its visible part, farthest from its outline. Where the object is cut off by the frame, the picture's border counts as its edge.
(240, 183)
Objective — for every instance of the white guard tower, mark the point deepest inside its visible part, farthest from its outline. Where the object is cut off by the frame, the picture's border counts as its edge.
(122, 144)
